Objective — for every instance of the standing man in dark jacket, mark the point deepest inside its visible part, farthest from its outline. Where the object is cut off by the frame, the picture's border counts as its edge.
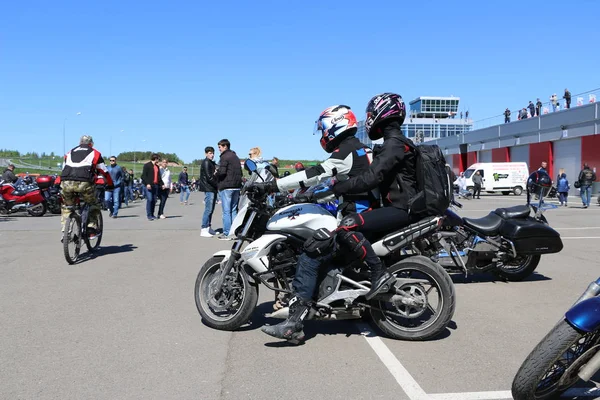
(184, 184)
(229, 178)
(208, 185)
(478, 183)
(506, 116)
(538, 107)
(153, 182)
(531, 109)
(587, 177)
(9, 174)
(275, 167)
(567, 97)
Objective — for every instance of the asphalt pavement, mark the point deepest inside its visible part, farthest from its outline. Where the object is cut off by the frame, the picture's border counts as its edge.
(123, 324)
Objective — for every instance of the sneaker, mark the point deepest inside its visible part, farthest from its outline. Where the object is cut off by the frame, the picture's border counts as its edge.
(213, 233)
(110, 215)
(151, 218)
(223, 236)
(114, 216)
(162, 216)
(205, 232)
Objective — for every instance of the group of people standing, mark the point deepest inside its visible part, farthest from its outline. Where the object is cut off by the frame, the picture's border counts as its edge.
(156, 178)
(535, 110)
(585, 180)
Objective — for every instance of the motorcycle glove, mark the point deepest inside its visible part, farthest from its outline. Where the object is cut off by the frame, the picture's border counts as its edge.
(265, 187)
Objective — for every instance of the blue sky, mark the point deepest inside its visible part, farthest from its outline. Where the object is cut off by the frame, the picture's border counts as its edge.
(177, 76)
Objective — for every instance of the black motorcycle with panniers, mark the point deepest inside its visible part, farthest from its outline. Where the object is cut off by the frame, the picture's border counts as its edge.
(508, 242)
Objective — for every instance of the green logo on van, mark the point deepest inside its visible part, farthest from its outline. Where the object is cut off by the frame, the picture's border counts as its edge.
(497, 176)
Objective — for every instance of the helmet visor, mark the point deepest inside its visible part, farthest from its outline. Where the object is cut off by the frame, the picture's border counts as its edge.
(318, 129)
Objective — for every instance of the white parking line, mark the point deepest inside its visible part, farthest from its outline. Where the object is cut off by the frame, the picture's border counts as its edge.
(405, 380)
(580, 237)
(415, 392)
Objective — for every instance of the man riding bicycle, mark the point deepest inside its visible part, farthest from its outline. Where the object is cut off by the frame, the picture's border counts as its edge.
(80, 168)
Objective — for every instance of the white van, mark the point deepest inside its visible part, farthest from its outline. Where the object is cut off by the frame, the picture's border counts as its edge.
(502, 177)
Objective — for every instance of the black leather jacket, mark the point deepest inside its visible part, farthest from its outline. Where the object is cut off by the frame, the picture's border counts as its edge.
(587, 177)
(393, 171)
(208, 180)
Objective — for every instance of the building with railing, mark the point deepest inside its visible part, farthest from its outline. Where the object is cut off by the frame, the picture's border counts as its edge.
(429, 118)
(565, 139)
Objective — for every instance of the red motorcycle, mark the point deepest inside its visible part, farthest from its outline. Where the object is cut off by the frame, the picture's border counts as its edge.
(15, 198)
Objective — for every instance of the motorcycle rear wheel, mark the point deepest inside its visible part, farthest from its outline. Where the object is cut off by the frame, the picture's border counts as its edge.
(524, 268)
(37, 210)
(541, 372)
(233, 307)
(72, 237)
(410, 325)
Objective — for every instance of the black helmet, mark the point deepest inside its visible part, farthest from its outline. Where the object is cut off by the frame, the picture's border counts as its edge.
(539, 183)
(383, 107)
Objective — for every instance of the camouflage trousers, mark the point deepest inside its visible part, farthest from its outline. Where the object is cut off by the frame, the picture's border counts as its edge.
(87, 192)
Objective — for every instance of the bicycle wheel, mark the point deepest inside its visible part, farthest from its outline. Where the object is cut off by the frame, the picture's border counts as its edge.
(93, 241)
(72, 238)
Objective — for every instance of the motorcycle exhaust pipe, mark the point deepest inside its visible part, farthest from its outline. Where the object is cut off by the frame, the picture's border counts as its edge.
(282, 313)
(590, 369)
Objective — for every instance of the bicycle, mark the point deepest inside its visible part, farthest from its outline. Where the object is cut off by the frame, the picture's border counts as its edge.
(76, 229)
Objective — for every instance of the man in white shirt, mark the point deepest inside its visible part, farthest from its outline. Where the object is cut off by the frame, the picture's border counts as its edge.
(165, 175)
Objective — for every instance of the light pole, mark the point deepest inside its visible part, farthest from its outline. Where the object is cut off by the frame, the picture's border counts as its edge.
(134, 155)
(64, 136)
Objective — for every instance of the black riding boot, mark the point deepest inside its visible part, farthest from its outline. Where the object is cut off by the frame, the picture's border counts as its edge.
(381, 281)
(291, 328)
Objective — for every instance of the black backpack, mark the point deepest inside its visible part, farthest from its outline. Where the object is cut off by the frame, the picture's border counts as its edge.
(434, 189)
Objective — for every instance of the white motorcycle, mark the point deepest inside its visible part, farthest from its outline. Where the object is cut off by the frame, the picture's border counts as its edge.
(418, 307)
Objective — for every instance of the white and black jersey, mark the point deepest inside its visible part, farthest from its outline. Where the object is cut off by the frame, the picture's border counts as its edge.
(351, 158)
(82, 164)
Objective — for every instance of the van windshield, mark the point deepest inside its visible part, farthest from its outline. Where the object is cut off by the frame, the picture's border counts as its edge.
(469, 172)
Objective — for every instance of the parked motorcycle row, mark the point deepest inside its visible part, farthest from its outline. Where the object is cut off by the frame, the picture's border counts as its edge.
(34, 197)
(508, 243)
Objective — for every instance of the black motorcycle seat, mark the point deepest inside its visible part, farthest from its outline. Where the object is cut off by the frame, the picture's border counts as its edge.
(521, 211)
(488, 225)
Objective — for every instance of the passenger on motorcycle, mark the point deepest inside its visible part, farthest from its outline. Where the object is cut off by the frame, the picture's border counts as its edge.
(81, 165)
(393, 173)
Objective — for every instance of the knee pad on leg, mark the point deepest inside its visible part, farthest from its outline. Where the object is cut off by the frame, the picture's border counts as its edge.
(351, 222)
(353, 242)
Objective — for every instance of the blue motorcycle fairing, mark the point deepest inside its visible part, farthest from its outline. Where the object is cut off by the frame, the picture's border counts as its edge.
(452, 218)
(585, 316)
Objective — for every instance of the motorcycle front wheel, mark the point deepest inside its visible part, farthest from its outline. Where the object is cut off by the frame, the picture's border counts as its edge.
(552, 366)
(229, 308)
(430, 288)
(72, 239)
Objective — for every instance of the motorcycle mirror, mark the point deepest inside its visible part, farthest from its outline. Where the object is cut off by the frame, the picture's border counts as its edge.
(250, 165)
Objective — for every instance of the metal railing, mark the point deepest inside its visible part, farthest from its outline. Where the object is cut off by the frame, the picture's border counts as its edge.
(578, 99)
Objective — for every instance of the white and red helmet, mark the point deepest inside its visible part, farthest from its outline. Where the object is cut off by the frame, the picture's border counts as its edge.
(335, 124)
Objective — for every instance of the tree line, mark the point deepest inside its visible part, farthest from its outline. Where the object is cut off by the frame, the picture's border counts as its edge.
(145, 155)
